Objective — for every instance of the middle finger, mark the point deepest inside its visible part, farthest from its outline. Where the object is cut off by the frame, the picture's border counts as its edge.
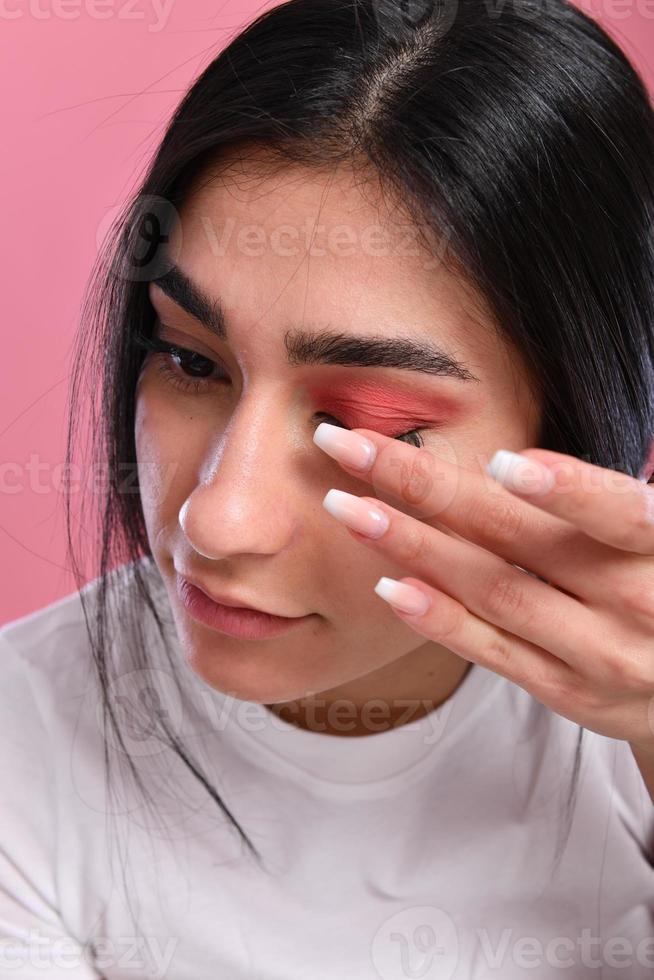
(484, 584)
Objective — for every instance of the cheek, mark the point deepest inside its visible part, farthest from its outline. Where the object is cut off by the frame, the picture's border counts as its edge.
(348, 571)
(164, 454)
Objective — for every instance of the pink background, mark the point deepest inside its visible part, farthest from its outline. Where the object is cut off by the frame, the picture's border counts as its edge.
(86, 95)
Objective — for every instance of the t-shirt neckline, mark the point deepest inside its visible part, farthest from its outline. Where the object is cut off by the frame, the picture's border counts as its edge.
(384, 759)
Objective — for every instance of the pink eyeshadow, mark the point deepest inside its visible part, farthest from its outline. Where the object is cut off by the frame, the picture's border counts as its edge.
(385, 408)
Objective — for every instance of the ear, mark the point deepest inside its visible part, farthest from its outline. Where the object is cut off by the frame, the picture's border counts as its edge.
(647, 473)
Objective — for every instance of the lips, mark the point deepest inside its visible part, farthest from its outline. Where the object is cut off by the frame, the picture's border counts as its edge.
(227, 600)
(239, 622)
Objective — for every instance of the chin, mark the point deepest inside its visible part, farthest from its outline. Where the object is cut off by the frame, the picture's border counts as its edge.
(249, 672)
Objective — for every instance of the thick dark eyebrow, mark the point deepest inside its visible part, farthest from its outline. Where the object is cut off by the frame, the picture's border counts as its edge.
(324, 346)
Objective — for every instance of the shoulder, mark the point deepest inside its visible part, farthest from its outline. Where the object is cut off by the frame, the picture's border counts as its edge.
(51, 770)
(46, 656)
(60, 628)
(37, 650)
(33, 638)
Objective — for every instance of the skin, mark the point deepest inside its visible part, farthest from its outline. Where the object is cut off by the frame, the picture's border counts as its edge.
(211, 465)
(578, 632)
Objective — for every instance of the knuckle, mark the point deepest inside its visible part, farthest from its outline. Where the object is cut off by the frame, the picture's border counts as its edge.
(635, 597)
(413, 546)
(500, 653)
(612, 666)
(417, 477)
(560, 692)
(622, 667)
(630, 671)
(414, 482)
(632, 534)
(450, 622)
(504, 597)
(496, 517)
(576, 502)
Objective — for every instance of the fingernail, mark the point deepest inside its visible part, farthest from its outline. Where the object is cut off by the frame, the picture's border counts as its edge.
(519, 473)
(356, 513)
(345, 446)
(404, 596)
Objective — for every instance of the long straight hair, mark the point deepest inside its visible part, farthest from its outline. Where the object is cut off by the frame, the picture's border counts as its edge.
(522, 137)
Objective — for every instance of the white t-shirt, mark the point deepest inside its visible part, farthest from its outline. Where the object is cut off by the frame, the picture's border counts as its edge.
(425, 851)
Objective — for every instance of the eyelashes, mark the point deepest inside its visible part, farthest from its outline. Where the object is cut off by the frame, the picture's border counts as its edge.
(412, 434)
(191, 360)
(187, 359)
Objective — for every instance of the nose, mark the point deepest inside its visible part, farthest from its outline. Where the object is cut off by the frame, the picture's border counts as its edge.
(248, 499)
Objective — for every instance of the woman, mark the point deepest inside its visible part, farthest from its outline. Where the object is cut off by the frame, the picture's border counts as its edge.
(381, 255)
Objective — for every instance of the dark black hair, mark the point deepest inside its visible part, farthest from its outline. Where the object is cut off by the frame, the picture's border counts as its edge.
(522, 136)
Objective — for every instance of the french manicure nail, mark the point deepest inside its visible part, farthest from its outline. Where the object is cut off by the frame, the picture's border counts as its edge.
(345, 446)
(356, 513)
(516, 472)
(405, 597)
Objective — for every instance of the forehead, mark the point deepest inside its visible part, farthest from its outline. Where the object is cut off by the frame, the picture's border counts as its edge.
(286, 245)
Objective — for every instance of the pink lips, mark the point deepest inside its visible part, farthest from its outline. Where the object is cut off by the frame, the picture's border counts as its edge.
(222, 599)
(242, 622)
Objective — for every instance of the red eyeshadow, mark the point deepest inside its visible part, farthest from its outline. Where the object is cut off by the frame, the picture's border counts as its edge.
(388, 409)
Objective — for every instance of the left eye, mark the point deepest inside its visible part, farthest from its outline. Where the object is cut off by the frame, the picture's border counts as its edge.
(413, 436)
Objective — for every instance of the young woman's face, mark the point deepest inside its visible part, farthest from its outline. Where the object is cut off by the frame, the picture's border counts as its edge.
(231, 480)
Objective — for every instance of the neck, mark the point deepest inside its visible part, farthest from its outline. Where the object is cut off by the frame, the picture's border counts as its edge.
(400, 692)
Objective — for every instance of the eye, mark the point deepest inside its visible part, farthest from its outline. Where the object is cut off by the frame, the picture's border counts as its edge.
(198, 379)
(413, 436)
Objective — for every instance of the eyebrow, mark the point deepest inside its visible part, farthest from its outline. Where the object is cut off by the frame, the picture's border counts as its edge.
(324, 346)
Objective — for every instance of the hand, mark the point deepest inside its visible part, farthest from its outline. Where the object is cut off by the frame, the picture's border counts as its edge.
(576, 631)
